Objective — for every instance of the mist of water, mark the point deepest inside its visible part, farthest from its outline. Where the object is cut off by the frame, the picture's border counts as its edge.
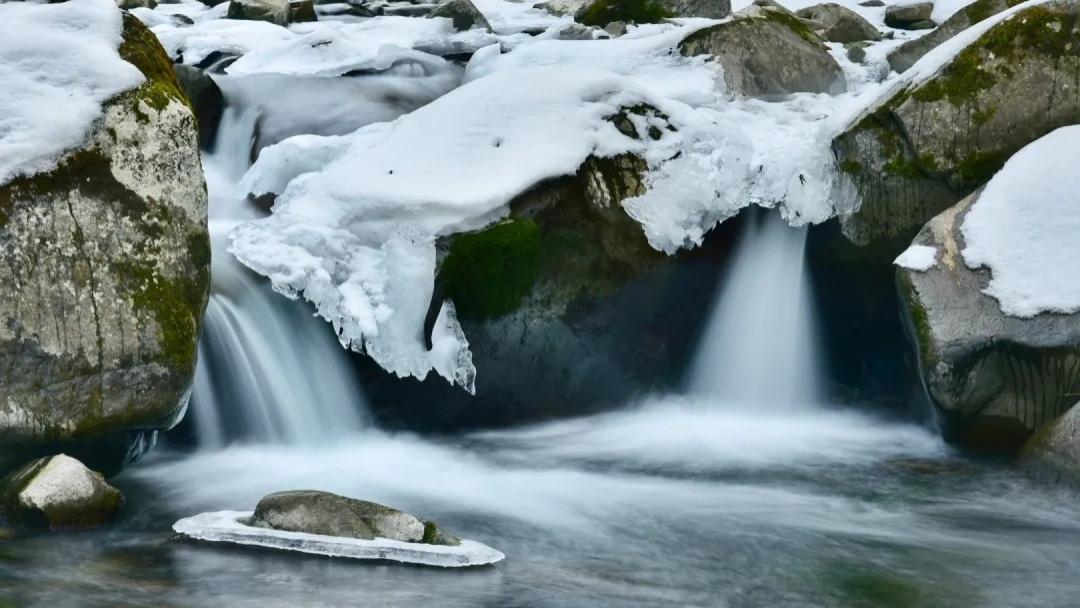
(759, 349)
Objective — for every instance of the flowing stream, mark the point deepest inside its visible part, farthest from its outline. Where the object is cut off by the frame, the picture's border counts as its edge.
(748, 490)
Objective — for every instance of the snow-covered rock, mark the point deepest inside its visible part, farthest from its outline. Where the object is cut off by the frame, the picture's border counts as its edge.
(230, 527)
(278, 12)
(954, 118)
(909, 15)
(462, 13)
(837, 23)
(911, 51)
(103, 220)
(996, 319)
(58, 492)
(767, 52)
(327, 514)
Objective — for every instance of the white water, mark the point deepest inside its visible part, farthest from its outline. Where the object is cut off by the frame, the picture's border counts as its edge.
(759, 349)
(268, 370)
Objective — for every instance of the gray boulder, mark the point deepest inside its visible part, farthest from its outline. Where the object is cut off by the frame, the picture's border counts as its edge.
(108, 262)
(600, 13)
(463, 13)
(315, 512)
(911, 51)
(576, 31)
(768, 52)
(924, 147)
(57, 493)
(280, 12)
(836, 23)
(997, 378)
(907, 16)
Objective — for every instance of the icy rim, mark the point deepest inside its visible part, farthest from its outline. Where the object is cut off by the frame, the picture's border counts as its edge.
(225, 527)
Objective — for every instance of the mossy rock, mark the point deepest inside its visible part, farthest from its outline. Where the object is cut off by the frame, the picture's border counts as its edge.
(600, 13)
(110, 252)
(902, 58)
(58, 493)
(932, 143)
(489, 273)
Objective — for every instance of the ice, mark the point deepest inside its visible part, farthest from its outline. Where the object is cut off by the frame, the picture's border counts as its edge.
(918, 257)
(58, 64)
(1024, 228)
(226, 527)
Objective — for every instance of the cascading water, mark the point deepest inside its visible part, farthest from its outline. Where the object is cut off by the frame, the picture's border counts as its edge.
(268, 370)
(759, 349)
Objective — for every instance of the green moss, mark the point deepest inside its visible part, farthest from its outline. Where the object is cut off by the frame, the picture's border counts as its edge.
(877, 589)
(141, 48)
(920, 319)
(174, 303)
(992, 58)
(488, 273)
(431, 533)
(979, 167)
(851, 166)
(603, 12)
(794, 24)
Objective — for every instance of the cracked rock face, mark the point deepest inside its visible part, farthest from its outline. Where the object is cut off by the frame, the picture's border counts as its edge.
(929, 145)
(997, 378)
(106, 263)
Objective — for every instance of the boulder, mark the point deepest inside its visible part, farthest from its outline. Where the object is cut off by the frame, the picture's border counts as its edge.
(314, 512)
(997, 378)
(600, 13)
(906, 15)
(935, 140)
(463, 13)
(207, 101)
(576, 31)
(911, 51)
(107, 257)
(836, 23)
(1054, 453)
(279, 12)
(58, 492)
(566, 306)
(768, 52)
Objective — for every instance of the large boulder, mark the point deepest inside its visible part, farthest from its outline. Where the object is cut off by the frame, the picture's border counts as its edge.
(911, 51)
(926, 146)
(766, 52)
(600, 13)
(566, 306)
(327, 514)
(57, 493)
(463, 14)
(280, 12)
(107, 260)
(837, 23)
(992, 299)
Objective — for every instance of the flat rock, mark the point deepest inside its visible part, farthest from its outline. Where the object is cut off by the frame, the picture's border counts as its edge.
(228, 527)
(903, 16)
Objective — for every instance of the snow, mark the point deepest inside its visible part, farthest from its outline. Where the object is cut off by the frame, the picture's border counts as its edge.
(1024, 225)
(333, 48)
(58, 64)
(919, 258)
(193, 43)
(338, 236)
(225, 527)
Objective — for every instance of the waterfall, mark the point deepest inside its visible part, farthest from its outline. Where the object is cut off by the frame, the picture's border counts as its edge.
(268, 371)
(759, 349)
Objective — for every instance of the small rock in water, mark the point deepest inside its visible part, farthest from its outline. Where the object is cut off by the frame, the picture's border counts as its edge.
(463, 14)
(58, 492)
(615, 29)
(323, 513)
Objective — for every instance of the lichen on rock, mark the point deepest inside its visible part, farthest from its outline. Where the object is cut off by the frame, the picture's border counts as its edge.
(108, 257)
